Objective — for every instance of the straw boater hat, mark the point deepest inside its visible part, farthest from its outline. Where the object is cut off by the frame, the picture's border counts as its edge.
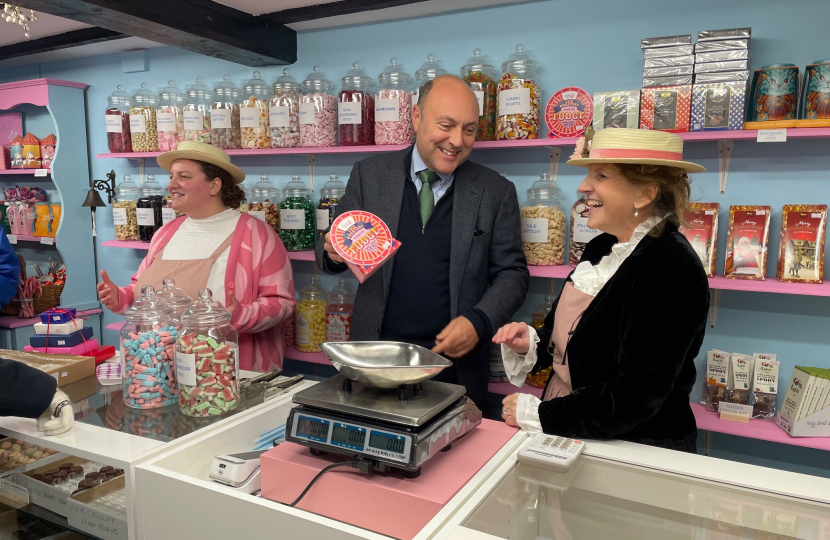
(637, 146)
(199, 151)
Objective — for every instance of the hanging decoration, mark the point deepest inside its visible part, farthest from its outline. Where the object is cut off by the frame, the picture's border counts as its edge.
(15, 15)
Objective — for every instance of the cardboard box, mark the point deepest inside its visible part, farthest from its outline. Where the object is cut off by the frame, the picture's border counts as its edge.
(76, 350)
(59, 340)
(79, 390)
(718, 106)
(64, 368)
(364, 241)
(666, 108)
(58, 315)
(815, 425)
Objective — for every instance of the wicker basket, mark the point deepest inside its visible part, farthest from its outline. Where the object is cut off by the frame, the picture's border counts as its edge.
(13, 307)
(49, 298)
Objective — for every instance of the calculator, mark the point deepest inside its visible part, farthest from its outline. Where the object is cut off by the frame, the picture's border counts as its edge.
(551, 452)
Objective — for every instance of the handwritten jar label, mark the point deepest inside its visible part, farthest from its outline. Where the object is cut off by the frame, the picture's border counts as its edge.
(249, 117)
(535, 230)
(292, 219)
(220, 119)
(280, 116)
(516, 101)
(307, 112)
(349, 113)
(387, 110)
(138, 123)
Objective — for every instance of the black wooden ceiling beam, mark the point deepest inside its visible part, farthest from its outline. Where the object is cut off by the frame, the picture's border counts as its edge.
(74, 38)
(332, 9)
(195, 25)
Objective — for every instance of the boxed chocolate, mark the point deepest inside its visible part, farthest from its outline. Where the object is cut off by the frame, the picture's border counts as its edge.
(728, 33)
(725, 76)
(718, 106)
(669, 61)
(668, 71)
(58, 340)
(650, 82)
(722, 56)
(665, 41)
(65, 369)
(619, 109)
(666, 108)
(701, 230)
(732, 65)
(364, 241)
(746, 242)
(801, 250)
(726, 45)
(58, 315)
(677, 50)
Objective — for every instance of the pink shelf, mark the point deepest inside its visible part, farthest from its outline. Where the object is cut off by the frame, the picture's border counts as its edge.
(14, 322)
(115, 326)
(764, 430)
(28, 172)
(560, 272)
(301, 255)
(129, 244)
(29, 238)
(770, 285)
(507, 389)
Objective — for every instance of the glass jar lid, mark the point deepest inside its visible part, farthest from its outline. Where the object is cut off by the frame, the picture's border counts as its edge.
(199, 93)
(172, 95)
(205, 312)
(394, 76)
(314, 291)
(478, 64)
(429, 70)
(119, 98)
(265, 190)
(148, 308)
(317, 82)
(257, 87)
(175, 298)
(357, 79)
(150, 187)
(343, 293)
(296, 188)
(520, 62)
(333, 189)
(127, 190)
(287, 83)
(145, 97)
(226, 91)
(544, 188)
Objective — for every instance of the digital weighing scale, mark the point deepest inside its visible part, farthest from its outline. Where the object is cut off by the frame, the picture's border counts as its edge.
(401, 425)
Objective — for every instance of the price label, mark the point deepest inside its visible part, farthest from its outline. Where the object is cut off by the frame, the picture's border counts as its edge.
(534, 230)
(293, 220)
(47, 241)
(167, 215)
(734, 412)
(113, 123)
(40, 173)
(166, 121)
(387, 110)
(145, 217)
(516, 101)
(193, 120)
(186, 368)
(119, 216)
(138, 123)
(307, 112)
(12, 238)
(220, 119)
(249, 117)
(10, 488)
(349, 113)
(772, 135)
(280, 116)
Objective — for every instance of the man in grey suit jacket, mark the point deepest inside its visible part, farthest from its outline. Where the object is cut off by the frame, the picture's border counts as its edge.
(460, 272)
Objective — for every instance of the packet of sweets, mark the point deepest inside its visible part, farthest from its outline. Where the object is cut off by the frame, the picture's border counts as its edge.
(717, 378)
(741, 376)
(764, 385)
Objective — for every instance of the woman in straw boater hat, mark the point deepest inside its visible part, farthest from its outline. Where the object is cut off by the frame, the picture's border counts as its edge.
(624, 332)
(238, 257)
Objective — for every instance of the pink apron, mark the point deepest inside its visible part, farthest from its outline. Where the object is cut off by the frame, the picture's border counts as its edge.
(572, 304)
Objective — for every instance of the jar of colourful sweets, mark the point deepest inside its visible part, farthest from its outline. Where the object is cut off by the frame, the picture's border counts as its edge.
(225, 132)
(117, 118)
(284, 112)
(481, 77)
(393, 106)
(197, 112)
(330, 196)
(169, 117)
(297, 217)
(519, 97)
(356, 109)
(318, 111)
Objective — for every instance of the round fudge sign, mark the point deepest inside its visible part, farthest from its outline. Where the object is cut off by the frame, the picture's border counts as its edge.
(568, 112)
(361, 238)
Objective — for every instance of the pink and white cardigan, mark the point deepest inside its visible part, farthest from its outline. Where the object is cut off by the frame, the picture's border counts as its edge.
(258, 274)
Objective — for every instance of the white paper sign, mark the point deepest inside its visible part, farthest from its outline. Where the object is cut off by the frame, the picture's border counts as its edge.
(113, 123)
(323, 219)
(292, 219)
(249, 117)
(220, 119)
(119, 216)
(535, 230)
(307, 112)
(40, 173)
(259, 214)
(415, 95)
(167, 215)
(772, 135)
(582, 233)
(186, 368)
(279, 116)
(349, 113)
(96, 522)
(144, 216)
(138, 123)
(387, 110)
(12, 238)
(480, 97)
(516, 101)
(194, 120)
(166, 121)
(10, 488)
(734, 411)
(47, 241)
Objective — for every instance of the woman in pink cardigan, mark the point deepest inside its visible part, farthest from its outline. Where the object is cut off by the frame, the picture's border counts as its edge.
(238, 257)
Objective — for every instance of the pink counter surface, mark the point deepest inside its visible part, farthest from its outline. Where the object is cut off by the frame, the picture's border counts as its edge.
(386, 504)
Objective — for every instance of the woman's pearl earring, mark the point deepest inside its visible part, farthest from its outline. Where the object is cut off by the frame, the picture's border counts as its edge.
(636, 211)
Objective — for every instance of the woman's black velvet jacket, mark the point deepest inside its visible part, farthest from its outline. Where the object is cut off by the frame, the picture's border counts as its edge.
(631, 354)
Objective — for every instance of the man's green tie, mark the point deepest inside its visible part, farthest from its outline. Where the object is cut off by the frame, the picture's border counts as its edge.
(426, 197)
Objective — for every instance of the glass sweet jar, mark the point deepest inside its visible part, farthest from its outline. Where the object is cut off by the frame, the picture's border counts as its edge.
(169, 117)
(340, 311)
(297, 217)
(143, 127)
(543, 223)
(538, 379)
(481, 77)
(147, 341)
(581, 234)
(428, 71)
(117, 118)
(318, 111)
(175, 298)
(393, 106)
(197, 112)
(265, 200)
(310, 317)
(225, 132)
(356, 109)
(254, 113)
(330, 196)
(519, 98)
(207, 359)
(284, 113)
(124, 216)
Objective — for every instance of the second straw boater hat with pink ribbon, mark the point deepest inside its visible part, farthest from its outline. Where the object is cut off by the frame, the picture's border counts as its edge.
(637, 146)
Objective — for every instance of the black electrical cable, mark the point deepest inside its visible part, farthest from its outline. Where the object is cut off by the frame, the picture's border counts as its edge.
(319, 474)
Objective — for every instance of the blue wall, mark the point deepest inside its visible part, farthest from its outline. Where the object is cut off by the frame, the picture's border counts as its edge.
(594, 46)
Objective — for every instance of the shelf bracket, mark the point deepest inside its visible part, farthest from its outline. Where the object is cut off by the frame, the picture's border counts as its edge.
(714, 304)
(724, 157)
(312, 165)
(554, 152)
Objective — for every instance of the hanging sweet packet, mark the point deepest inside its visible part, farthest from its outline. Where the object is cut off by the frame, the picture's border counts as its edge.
(765, 385)
(746, 242)
(741, 375)
(801, 251)
(701, 230)
(717, 377)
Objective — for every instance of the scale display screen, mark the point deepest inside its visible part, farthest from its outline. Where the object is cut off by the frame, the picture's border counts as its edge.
(312, 428)
(389, 443)
(348, 436)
